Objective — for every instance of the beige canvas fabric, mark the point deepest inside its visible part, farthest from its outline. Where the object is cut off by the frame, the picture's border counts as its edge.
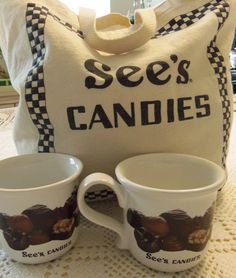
(108, 91)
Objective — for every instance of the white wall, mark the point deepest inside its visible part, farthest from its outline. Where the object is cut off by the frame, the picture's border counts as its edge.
(102, 6)
(121, 6)
(155, 2)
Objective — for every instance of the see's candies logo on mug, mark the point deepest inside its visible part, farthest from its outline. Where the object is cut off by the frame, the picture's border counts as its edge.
(42, 223)
(168, 201)
(39, 224)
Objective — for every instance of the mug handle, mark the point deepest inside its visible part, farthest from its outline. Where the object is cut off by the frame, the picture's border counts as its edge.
(100, 218)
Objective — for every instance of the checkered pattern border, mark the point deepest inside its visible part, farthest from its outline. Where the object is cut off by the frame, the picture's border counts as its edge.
(99, 195)
(35, 94)
(221, 9)
(217, 61)
(182, 21)
(34, 88)
(67, 25)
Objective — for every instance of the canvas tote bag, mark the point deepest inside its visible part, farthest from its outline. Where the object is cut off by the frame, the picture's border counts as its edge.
(105, 90)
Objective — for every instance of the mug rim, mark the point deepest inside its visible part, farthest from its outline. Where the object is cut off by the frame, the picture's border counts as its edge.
(46, 186)
(204, 189)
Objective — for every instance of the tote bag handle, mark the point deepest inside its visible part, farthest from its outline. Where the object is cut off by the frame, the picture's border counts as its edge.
(124, 39)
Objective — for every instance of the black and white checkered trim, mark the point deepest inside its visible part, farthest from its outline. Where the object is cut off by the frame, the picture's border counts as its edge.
(221, 9)
(34, 87)
(35, 94)
(217, 63)
(182, 21)
(99, 195)
(67, 25)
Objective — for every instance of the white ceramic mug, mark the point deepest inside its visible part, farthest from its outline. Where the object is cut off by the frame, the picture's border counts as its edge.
(38, 208)
(168, 202)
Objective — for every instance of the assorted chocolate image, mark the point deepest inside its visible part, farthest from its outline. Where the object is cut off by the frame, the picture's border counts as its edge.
(171, 231)
(39, 224)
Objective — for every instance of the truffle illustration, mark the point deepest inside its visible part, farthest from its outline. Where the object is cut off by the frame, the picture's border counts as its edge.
(61, 213)
(20, 223)
(180, 223)
(39, 224)
(207, 218)
(156, 226)
(134, 218)
(197, 240)
(39, 237)
(41, 216)
(172, 243)
(71, 203)
(16, 240)
(76, 216)
(3, 221)
(146, 241)
(171, 231)
(63, 229)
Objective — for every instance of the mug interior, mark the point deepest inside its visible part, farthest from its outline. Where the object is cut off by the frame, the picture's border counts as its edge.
(37, 170)
(173, 172)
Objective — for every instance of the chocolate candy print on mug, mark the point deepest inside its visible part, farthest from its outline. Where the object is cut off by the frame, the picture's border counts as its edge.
(168, 204)
(38, 206)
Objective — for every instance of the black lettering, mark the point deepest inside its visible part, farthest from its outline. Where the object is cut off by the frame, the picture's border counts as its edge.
(128, 119)
(71, 117)
(182, 108)
(149, 256)
(24, 254)
(206, 110)
(124, 78)
(102, 117)
(166, 261)
(183, 76)
(90, 81)
(153, 76)
(174, 58)
(145, 106)
(170, 110)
